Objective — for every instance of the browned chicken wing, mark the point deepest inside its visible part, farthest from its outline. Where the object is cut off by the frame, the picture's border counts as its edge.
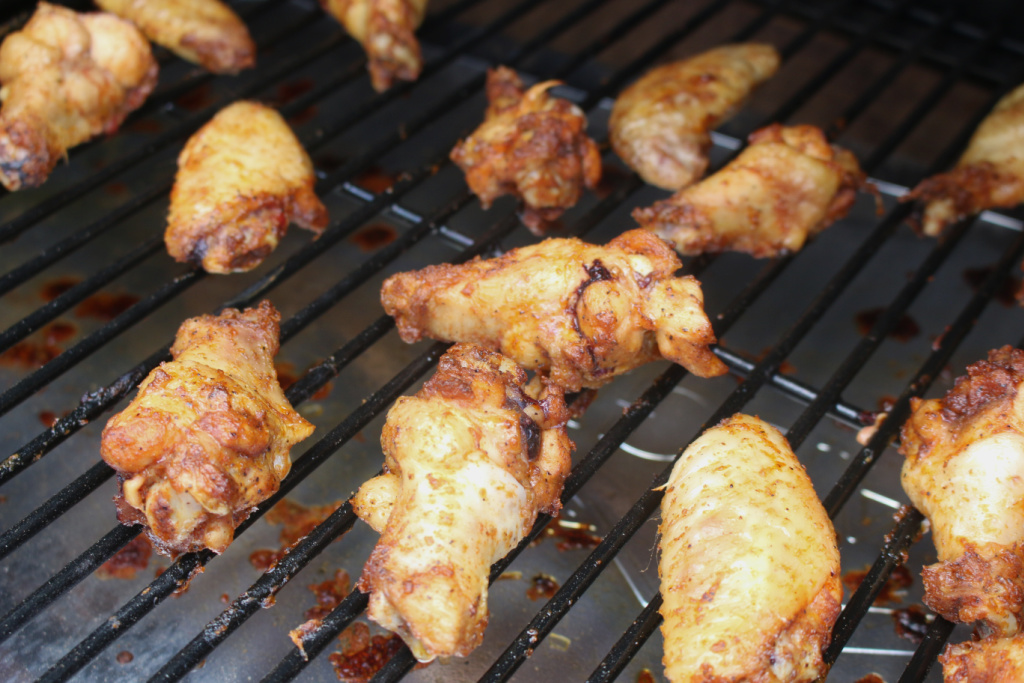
(387, 31)
(786, 186)
(204, 32)
(965, 472)
(208, 436)
(990, 660)
(990, 173)
(67, 77)
(241, 179)
(661, 125)
(578, 312)
(470, 461)
(531, 145)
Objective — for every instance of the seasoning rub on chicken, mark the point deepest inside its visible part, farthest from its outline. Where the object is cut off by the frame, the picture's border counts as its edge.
(661, 125)
(204, 32)
(787, 185)
(208, 436)
(965, 471)
(470, 461)
(749, 563)
(578, 313)
(531, 145)
(241, 179)
(989, 660)
(67, 77)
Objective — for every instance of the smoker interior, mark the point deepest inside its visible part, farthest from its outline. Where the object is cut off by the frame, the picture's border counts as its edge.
(902, 84)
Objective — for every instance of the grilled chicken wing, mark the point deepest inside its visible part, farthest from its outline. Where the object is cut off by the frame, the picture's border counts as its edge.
(786, 186)
(749, 563)
(990, 173)
(661, 125)
(990, 660)
(204, 32)
(66, 77)
(386, 30)
(471, 460)
(241, 179)
(208, 436)
(965, 472)
(578, 312)
(531, 145)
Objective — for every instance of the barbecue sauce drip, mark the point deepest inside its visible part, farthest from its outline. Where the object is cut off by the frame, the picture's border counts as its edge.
(570, 535)
(871, 678)
(105, 306)
(361, 655)
(906, 328)
(911, 623)
(1008, 292)
(286, 92)
(31, 354)
(899, 580)
(543, 586)
(375, 179)
(286, 376)
(54, 288)
(373, 237)
(296, 521)
(645, 676)
(128, 560)
(329, 594)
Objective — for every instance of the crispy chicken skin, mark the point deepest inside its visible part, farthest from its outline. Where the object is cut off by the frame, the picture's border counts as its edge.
(208, 436)
(471, 460)
(241, 179)
(787, 185)
(577, 312)
(749, 563)
(204, 32)
(990, 660)
(386, 30)
(531, 145)
(661, 125)
(67, 77)
(964, 470)
(990, 173)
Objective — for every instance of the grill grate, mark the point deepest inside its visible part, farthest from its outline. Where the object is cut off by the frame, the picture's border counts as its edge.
(956, 62)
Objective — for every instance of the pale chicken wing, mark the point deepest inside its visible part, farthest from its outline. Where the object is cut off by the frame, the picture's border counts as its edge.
(749, 563)
(990, 660)
(965, 471)
(661, 125)
(531, 145)
(204, 32)
(241, 179)
(387, 31)
(576, 312)
(787, 185)
(208, 436)
(67, 77)
(471, 460)
(990, 174)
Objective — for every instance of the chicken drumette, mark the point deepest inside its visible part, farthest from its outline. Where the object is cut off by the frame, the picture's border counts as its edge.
(965, 472)
(787, 185)
(471, 460)
(241, 179)
(208, 436)
(577, 312)
(531, 145)
(749, 563)
(66, 77)
(661, 125)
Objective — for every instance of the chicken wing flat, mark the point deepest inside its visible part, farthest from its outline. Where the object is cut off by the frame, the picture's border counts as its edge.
(208, 436)
(990, 173)
(241, 179)
(990, 660)
(661, 125)
(471, 460)
(204, 32)
(531, 145)
(786, 186)
(965, 471)
(387, 31)
(67, 77)
(749, 563)
(577, 312)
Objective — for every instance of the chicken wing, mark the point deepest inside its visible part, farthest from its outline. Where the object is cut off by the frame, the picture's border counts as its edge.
(578, 312)
(661, 125)
(204, 32)
(471, 460)
(965, 471)
(786, 186)
(990, 660)
(749, 563)
(66, 77)
(241, 179)
(208, 436)
(531, 145)
(990, 173)
(387, 31)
